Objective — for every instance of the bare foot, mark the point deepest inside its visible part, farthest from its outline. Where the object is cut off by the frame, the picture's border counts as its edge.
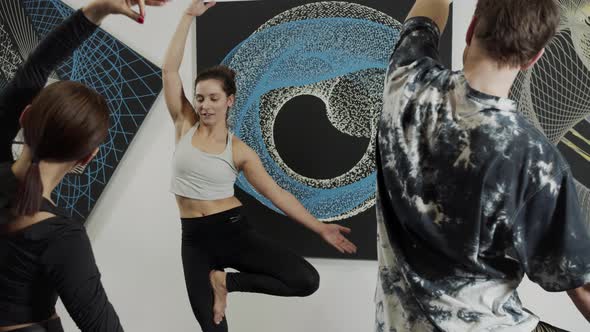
(217, 279)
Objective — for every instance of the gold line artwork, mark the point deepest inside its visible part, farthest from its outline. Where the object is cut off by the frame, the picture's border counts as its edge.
(555, 94)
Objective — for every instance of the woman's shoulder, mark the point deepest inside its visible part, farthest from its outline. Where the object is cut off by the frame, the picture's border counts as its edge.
(241, 147)
(241, 151)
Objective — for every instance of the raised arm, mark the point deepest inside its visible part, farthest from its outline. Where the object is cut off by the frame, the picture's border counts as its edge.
(32, 76)
(436, 10)
(249, 162)
(178, 105)
(421, 32)
(57, 46)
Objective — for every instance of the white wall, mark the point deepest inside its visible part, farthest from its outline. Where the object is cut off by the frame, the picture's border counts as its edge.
(136, 231)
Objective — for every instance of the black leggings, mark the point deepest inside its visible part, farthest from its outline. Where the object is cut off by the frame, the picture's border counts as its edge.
(226, 240)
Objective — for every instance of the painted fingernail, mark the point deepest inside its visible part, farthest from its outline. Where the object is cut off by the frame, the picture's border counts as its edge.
(140, 20)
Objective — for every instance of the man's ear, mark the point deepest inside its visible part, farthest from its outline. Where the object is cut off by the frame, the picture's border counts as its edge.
(534, 60)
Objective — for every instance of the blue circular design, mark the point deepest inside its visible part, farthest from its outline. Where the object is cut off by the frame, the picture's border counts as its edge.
(299, 53)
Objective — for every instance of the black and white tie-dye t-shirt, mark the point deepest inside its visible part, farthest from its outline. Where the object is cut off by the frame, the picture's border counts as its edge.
(471, 197)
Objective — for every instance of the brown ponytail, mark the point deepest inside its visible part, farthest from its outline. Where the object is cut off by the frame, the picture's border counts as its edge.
(65, 123)
(30, 192)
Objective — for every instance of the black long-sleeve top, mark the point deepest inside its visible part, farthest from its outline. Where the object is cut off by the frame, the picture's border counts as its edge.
(53, 257)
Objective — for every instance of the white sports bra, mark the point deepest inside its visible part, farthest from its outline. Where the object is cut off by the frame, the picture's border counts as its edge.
(201, 175)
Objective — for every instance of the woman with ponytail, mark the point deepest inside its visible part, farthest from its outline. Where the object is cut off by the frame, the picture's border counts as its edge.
(215, 234)
(43, 253)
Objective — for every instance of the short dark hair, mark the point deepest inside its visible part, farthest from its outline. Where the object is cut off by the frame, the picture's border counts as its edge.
(514, 31)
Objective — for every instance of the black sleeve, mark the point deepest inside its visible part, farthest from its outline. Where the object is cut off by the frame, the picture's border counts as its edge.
(70, 265)
(551, 236)
(32, 76)
(418, 39)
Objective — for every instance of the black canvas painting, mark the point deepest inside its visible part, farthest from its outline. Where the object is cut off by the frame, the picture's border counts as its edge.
(310, 83)
(129, 83)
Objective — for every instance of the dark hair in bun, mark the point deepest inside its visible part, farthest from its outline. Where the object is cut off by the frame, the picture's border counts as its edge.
(224, 74)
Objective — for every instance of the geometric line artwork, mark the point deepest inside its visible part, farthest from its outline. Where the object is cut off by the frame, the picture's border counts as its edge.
(555, 93)
(128, 81)
(10, 59)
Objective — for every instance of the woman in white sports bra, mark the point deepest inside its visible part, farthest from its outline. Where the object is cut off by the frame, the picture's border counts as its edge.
(215, 235)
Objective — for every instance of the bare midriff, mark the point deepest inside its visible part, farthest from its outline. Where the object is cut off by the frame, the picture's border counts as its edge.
(194, 208)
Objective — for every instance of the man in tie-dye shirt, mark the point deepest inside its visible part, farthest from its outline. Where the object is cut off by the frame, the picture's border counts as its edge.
(471, 196)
